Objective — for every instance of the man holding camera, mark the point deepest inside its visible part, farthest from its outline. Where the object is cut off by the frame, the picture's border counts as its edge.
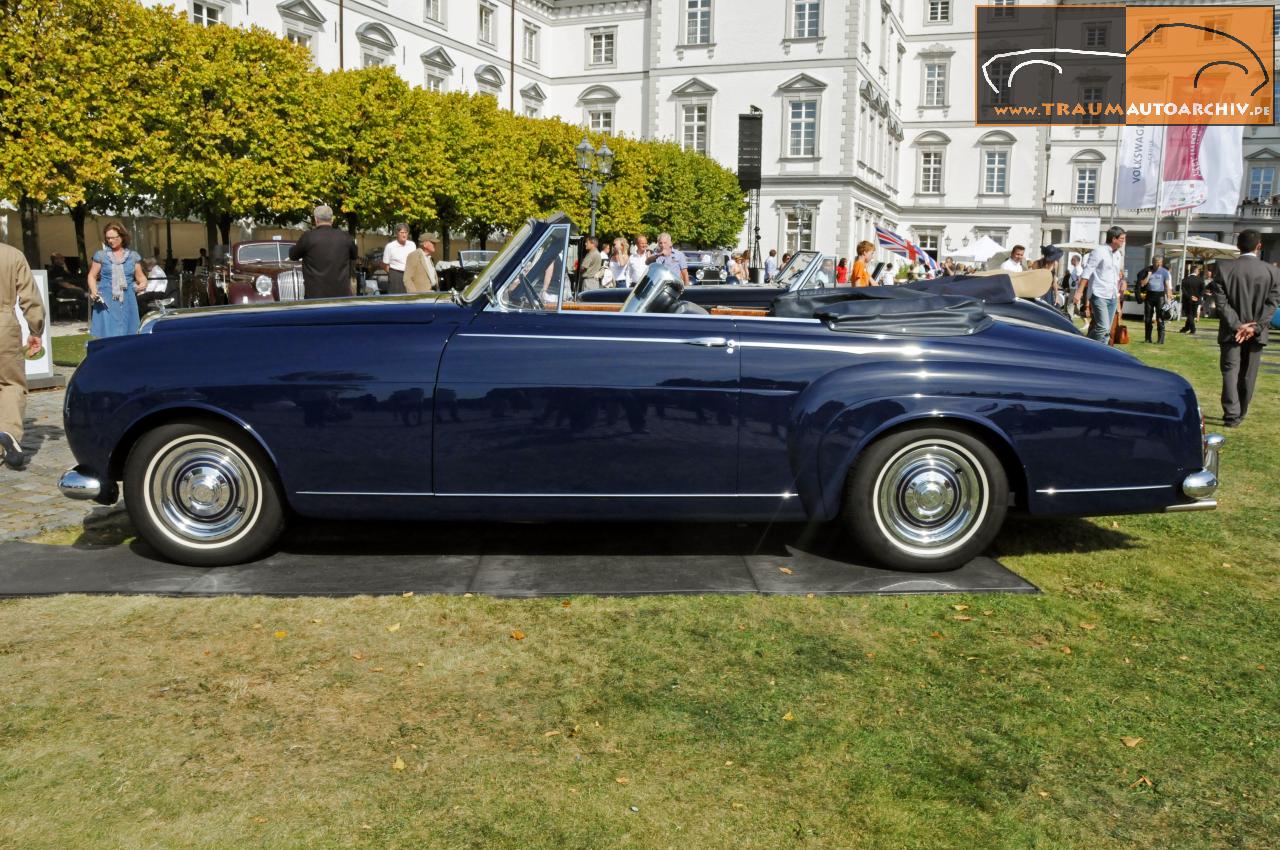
(17, 288)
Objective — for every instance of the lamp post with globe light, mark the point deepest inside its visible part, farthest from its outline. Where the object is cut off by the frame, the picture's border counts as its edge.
(594, 167)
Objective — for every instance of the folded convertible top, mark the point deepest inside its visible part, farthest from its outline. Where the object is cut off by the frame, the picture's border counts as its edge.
(915, 315)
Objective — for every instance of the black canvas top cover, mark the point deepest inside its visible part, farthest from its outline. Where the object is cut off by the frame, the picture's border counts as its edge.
(994, 289)
(925, 315)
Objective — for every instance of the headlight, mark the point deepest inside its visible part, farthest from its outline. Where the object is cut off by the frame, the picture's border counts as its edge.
(263, 284)
(699, 274)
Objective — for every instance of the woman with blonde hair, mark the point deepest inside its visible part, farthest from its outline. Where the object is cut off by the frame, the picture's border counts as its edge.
(115, 311)
(620, 268)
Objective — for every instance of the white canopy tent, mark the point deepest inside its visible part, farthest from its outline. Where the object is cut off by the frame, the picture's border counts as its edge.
(986, 248)
(1200, 248)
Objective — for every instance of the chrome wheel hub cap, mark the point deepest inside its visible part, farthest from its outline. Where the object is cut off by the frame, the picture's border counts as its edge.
(203, 489)
(931, 496)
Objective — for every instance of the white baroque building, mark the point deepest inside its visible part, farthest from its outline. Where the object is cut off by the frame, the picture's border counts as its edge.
(868, 105)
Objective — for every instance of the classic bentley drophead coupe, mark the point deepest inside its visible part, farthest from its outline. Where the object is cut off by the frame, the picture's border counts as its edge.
(917, 421)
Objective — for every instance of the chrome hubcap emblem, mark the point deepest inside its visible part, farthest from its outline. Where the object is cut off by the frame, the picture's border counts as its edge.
(930, 496)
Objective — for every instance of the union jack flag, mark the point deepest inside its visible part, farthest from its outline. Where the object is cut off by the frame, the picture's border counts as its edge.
(898, 244)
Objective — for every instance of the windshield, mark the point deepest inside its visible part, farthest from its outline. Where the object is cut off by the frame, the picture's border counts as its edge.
(795, 268)
(265, 252)
(515, 244)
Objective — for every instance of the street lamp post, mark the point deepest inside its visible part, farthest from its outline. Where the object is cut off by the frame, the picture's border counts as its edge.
(594, 167)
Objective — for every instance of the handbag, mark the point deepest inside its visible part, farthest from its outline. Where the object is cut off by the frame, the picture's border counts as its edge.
(1119, 332)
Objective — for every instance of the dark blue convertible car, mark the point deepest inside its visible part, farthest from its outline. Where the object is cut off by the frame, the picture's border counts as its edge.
(917, 421)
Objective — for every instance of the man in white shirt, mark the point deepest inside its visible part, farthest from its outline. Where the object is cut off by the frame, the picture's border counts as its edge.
(639, 253)
(771, 265)
(1103, 273)
(394, 257)
(1014, 263)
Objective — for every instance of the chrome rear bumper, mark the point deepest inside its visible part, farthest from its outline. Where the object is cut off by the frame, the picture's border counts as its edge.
(1201, 485)
(76, 485)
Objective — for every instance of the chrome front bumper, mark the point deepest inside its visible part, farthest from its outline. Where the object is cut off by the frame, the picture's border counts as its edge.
(1203, 484)
(76, 485)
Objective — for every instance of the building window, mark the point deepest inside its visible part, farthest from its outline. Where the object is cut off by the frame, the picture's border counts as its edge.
(995, 172)
(805, 19)
(486, 24)
(302, 39)
(864, 134)
(600, 121)
(935, 84)
(431, 11)
(204, 15)
(531, 44)
(1275, 26)
(1095, 35)
(1003, 9)
(693, 126)
(1262, 182)
(435, 82)
(927, 241)
(372, 60)
(1088, 95)
(603, 46)
(1000, 72)
(1087, 184)
(1220, 24)
(799, 230)
(930, 173)
(697, 22)
(939, 11)
(532, 109)
(802, 128)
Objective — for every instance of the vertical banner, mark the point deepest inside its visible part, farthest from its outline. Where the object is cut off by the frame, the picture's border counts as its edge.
(1222, 164)
(1184, 184)
(1137, 170)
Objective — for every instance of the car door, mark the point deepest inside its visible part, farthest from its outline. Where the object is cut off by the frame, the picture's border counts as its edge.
(547, 402)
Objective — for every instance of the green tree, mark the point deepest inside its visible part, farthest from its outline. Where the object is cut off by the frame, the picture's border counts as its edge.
(693, 198)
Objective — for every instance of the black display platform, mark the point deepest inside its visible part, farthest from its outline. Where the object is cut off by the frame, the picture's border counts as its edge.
(504, 560)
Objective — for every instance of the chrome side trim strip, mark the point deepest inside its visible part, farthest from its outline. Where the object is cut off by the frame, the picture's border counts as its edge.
(904, 350)
(1202, 505)
(557, 495)
(1051, 491)
(571, 338)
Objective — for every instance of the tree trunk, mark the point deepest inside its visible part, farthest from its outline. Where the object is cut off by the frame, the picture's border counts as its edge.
(210, 231)
(352, 222)
(28, 212)
(482, 234)
(78, 215)
(224, 228)
(444, 241)
(168, 239)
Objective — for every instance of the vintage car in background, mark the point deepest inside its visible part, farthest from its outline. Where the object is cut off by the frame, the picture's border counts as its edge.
(254, 272)
(916, 421)
(457, 274)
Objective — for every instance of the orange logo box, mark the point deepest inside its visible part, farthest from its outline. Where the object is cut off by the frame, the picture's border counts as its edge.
(1200, 65)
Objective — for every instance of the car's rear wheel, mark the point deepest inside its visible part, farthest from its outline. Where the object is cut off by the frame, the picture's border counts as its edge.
(926, 499)
(202, 494)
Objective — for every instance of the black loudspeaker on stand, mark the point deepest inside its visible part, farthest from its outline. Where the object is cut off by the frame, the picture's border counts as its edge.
(750, 136)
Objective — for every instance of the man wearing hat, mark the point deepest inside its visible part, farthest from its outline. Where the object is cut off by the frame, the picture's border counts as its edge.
(1049, 257)
(17, 288)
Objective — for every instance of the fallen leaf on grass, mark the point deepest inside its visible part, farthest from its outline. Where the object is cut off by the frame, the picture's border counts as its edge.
(869, 654)
(1066, 650)
(960, 607)
(622, 780)
(422, 664)
(1184, 658)
(565, 604)
(394, 627)
(785, 570)
(788, 717)
(729, 763)
(317, 621)
(259, 820)
(1130, 742)
(398, 764)
(937, 636)
(256, 625)
(1262, 667)
(281, 634)
(408, 594)
(376, 670)
(553, 733)
(1141, 780)
(810, 596)
(1088, 627)
(1044, 794)
(468, 595)
(736, 805)
(987, 613)
(962, 618)
(357, 656)
(516, 634)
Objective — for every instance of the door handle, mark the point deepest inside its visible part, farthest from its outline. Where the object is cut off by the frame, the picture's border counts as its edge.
(710, 342)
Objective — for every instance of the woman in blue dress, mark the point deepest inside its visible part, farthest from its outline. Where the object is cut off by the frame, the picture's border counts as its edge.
(116, 277)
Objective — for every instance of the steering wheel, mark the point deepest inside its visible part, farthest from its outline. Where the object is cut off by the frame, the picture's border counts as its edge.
(528, 293)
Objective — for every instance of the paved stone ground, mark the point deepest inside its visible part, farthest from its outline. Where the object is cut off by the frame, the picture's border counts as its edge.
(30, 502)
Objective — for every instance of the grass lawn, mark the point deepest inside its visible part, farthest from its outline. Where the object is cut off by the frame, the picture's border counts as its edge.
(1134, 705)
(69, 350)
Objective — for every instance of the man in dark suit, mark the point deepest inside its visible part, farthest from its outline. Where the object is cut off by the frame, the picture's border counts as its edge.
(1192, 294)
(1246, 292)
(327, 254)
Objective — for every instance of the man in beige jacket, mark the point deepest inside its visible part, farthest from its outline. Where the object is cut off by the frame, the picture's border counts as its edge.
(419, 271)
(17, 286)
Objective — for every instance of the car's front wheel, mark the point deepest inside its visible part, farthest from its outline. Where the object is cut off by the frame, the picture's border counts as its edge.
(926, 499)
(202, 494)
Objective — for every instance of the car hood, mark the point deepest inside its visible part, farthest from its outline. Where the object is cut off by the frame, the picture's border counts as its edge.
(364, 310)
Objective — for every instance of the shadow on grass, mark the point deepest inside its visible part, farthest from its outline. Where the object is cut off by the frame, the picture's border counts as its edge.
(104, 528)
(1033, 536)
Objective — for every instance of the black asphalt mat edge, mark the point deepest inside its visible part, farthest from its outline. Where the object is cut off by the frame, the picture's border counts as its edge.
(502, 560)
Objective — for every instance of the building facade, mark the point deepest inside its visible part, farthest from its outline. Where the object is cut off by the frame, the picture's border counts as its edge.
(868, 105)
